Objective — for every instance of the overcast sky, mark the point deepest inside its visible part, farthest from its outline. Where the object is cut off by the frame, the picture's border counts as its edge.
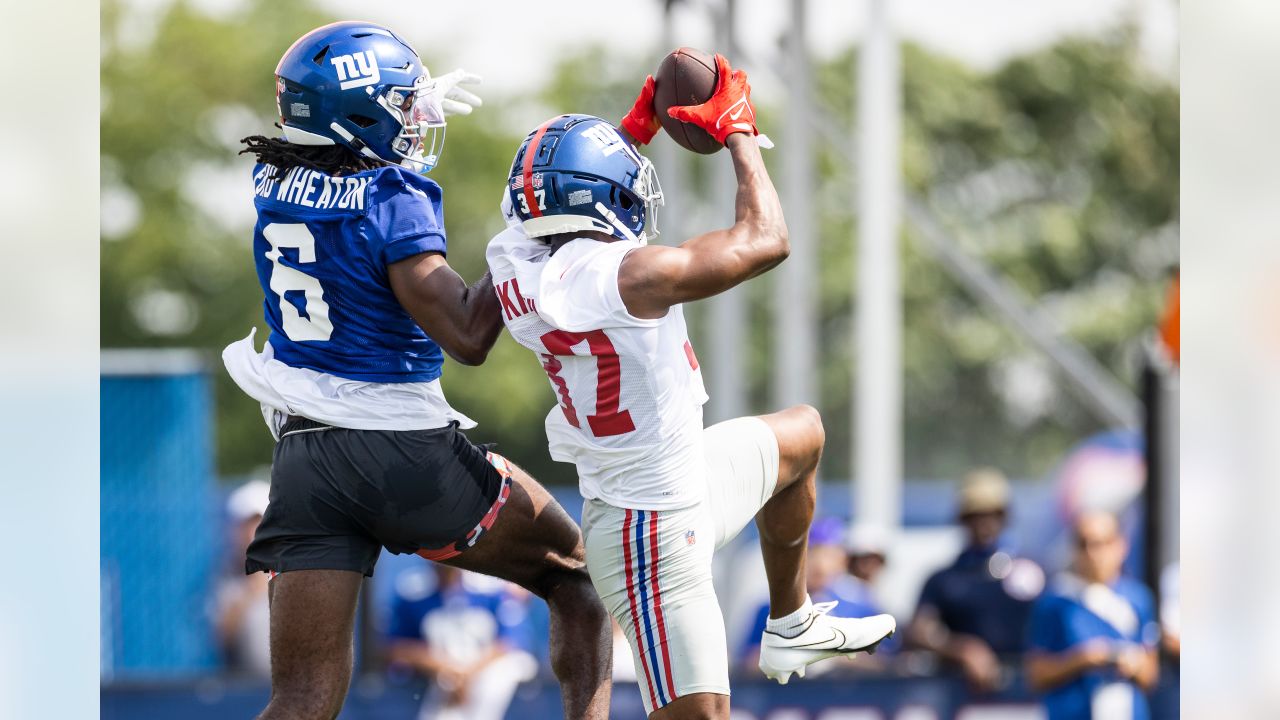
(511, 42)
(507, 41)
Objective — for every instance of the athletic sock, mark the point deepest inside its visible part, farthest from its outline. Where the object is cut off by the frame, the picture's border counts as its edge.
(792, 625)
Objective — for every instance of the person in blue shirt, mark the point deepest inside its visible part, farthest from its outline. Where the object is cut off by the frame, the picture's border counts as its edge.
(972, 613)
(1093, 634)
(362, 306)
(467, 633)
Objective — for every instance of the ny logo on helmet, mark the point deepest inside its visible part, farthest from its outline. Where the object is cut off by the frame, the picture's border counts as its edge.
(606, 137)
(357, 70)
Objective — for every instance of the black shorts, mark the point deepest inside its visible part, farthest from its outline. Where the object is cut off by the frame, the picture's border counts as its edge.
(338, 496)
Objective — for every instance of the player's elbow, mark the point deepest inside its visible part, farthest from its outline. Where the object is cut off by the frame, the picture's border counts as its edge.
(472, 355)
(774, 246)
(782, 243)
(469, 351)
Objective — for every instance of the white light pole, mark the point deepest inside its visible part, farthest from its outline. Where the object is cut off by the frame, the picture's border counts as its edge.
(877, 490)
(795, 370)
(727, 312)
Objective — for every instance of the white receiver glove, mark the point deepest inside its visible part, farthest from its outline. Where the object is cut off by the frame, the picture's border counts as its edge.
(453, 99)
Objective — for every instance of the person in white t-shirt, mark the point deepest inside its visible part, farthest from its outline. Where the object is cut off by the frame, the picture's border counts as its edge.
(601, 309)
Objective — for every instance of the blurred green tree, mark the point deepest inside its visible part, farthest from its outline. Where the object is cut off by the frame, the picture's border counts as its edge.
(1059, 168)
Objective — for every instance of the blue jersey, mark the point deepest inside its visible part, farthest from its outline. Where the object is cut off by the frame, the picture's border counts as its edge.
(322, 245)
(467, 618)
(1062, 619)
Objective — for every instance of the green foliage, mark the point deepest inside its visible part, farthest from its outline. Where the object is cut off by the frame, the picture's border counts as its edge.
(1059, 168)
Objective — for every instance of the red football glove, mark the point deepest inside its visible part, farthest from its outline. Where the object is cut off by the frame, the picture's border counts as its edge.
(727, 111)
(642, 121)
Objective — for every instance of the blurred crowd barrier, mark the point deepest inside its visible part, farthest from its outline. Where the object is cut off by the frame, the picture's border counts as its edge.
(888, 698)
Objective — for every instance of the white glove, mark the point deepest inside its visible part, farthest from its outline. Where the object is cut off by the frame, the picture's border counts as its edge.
(453, 99)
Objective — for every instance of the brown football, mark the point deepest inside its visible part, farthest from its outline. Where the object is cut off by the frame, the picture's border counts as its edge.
(686, 77)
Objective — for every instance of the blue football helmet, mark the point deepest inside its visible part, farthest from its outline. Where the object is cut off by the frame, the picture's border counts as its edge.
(360, 85)
(575, 173)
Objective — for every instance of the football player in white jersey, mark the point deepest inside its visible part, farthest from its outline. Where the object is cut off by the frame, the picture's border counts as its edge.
(601, 309)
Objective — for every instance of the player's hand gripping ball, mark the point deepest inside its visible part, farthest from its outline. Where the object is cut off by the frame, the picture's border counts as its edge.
(641, 121)
(700, 100)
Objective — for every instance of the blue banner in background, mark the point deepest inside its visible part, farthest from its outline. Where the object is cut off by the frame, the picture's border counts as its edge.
(160, 522)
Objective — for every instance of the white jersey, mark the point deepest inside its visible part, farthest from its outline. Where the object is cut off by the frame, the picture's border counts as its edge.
(629, 390)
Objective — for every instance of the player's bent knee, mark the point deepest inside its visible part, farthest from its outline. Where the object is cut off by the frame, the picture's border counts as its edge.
(801, 437)
(572, 587)
(811, 420)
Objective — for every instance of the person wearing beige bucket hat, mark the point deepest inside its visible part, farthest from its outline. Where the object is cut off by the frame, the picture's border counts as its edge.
(973, 612)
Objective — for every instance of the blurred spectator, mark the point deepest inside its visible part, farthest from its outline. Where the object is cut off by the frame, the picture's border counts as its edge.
(865, 557)
(825, 575)
(242, 620)
(1093, 634)
(467, 634)
(866, 554)
(975, 611)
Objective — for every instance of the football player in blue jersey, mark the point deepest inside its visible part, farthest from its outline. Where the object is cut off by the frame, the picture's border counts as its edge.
(361, 305)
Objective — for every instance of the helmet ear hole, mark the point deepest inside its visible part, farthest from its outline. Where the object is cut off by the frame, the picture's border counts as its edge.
(363, 121)
(625, 201)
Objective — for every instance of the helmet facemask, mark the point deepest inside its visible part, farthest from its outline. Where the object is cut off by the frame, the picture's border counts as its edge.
(649, 190)
(421, 117)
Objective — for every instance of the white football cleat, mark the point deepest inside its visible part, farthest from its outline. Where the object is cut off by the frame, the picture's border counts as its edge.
(826, 636)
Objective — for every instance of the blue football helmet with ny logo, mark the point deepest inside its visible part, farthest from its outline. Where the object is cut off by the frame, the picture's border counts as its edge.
(360, 85)
(576, 173)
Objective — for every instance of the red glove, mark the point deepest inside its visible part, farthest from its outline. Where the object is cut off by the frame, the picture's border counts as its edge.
(642, 121)
(727, 111)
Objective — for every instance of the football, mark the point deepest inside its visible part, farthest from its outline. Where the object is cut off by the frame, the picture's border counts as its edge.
(686, 77)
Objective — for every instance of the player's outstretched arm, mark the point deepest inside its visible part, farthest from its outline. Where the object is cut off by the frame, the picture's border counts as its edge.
(463, 320)
(654, 278)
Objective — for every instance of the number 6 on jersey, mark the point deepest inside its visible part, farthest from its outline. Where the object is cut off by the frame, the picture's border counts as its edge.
(315, 325)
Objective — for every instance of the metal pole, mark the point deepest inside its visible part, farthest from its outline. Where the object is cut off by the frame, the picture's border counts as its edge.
(877, 488)
(727, 312)
(1160, 494)
(795, 371)
(669, 159)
